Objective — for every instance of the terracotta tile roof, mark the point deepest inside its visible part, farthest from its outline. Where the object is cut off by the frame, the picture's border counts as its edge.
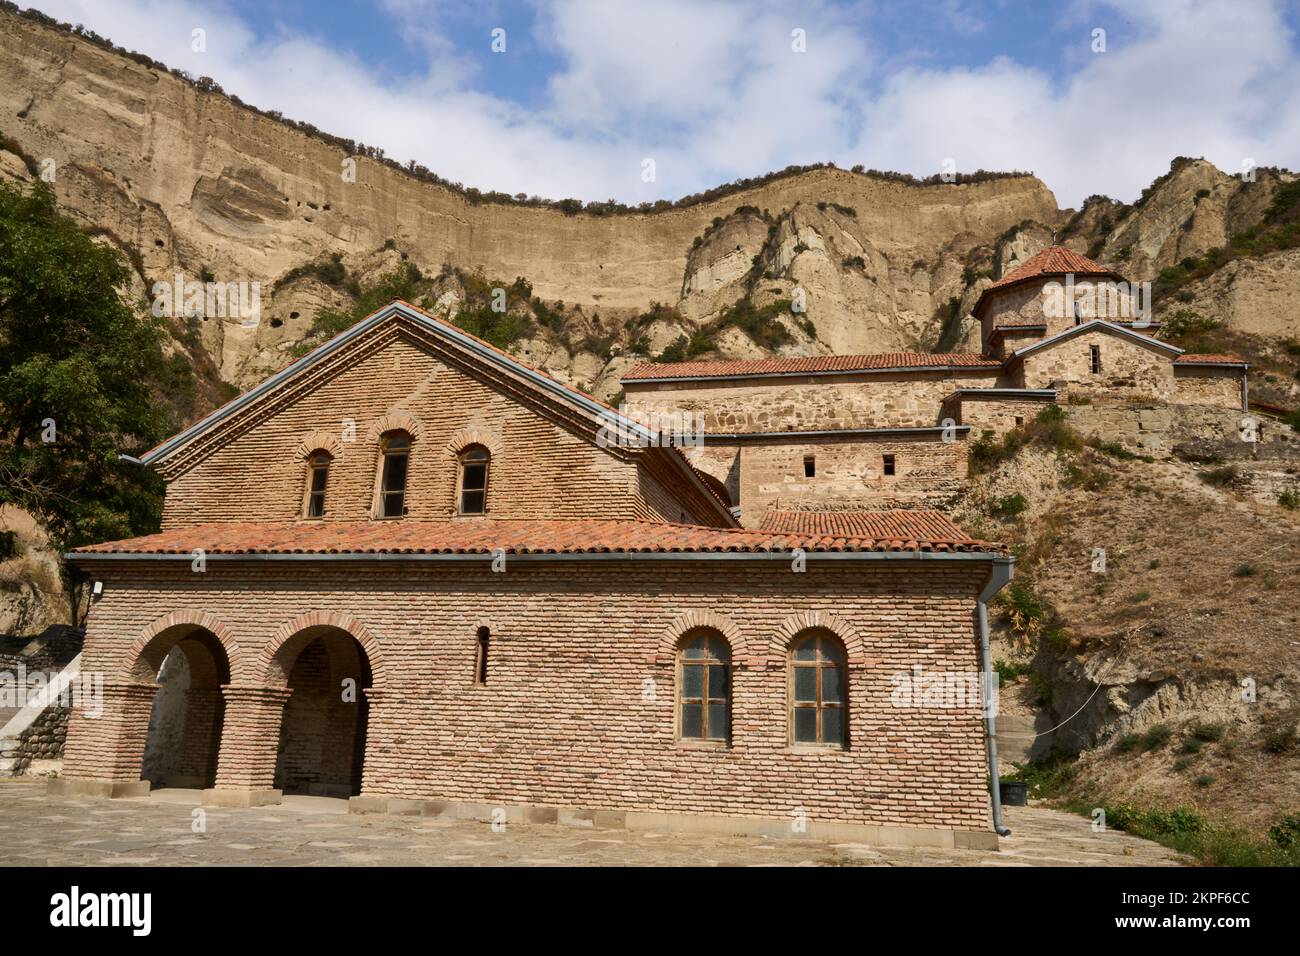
(1054, 260)
(542, 536)
(810, 364)
(925, 525)
(1220, 359)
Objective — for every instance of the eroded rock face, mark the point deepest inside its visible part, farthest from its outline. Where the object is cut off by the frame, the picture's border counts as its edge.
(190, 183)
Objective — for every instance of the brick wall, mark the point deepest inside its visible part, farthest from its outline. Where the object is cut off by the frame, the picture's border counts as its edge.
(539, 468)
(578, 709)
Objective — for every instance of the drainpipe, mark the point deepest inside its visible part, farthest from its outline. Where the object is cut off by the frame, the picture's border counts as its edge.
(999, 576)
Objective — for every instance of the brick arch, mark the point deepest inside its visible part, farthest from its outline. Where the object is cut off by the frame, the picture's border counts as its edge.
(396, 422)
(475, 436)
(137, 661)
(797, 624)
(273, 671)
(319, 441)
(671, 636)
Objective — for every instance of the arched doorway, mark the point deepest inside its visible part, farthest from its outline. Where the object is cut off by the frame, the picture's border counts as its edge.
(323, 733)
(183, 741)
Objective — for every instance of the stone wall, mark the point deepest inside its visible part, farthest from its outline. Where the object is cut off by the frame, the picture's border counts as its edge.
(998, 415)
(1208, 385)
(579, 706)
(884, 400)
(929, 473)
(1128, 370)
(1198, 432)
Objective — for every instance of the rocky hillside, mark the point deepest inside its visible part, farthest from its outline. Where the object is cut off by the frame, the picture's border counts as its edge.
(1169, 675)
(189, 181)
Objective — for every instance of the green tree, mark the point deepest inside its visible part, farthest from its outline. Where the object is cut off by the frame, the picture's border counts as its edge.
(79, 363)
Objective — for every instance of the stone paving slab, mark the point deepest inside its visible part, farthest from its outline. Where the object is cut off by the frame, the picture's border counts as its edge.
(37, 830)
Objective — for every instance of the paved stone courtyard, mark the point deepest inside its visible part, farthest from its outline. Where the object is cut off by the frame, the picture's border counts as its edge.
(36, 830)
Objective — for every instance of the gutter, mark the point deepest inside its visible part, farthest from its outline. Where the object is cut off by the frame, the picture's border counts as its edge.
(86, 557)
(715, 438)
(1000, 573)
(819, 373)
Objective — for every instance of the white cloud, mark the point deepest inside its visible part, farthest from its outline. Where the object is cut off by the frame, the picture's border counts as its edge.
(711, 90)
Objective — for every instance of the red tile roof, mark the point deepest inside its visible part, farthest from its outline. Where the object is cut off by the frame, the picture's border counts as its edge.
(925, 525)
(1220, 359)
(810, 364)
(1054, 260)
(543, 536)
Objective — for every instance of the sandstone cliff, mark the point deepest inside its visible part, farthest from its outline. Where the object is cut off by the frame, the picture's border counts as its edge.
(190, 182)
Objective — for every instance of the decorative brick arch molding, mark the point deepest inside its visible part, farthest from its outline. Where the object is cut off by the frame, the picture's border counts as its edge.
(797, 624)
(319, 441)
(277, 657)
(671, 637)
(145, 657)
(396, 422)
(475, 436)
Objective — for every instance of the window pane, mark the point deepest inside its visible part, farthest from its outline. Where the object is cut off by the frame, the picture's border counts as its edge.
(318, 476)
(718, 649)
(315, 505)
(692, 680)
(832, 725)
(394, 472)
(471, 503)
(475, 477)
(694, 649)
(717, 721)
(807, 651)
(831, 650)
(393, 503)
(805, 724)
(832, 684)
(805, 683)
(718, 680)
(692, 717)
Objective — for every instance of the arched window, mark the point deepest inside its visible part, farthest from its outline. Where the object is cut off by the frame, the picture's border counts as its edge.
(704, 687)
(318, 471)
(395, 453)
(818, 690)
(474, 462)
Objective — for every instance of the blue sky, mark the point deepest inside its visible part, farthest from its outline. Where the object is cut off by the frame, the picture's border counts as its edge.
(587, 91)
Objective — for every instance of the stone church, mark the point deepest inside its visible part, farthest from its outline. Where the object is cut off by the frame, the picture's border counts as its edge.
(409, 570)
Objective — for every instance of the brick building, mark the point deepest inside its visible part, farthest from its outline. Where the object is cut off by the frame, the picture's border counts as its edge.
(412, 571)
(868, 431)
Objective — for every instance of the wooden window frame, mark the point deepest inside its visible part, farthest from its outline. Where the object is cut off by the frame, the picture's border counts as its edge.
(708, 636)
(381, 489)
(889, 466)
(318, 461)
(463, 460)
(1094, 359)
(810, 466)
(820, 706)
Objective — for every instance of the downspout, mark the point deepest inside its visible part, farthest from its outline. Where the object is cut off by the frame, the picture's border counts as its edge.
(999, 576)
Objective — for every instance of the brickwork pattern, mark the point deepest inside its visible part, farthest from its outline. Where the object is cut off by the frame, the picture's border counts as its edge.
(578, 708)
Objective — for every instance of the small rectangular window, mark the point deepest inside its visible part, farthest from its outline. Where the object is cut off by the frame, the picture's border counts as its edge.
(1078, 313)
(810, 466)
(481, 656)
(1095, 353)
(393, 490)
(889, 464)
(1020, 420)
(473, 491)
